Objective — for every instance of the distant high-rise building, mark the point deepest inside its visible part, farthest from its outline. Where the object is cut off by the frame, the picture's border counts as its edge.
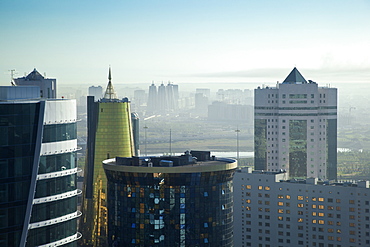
(48, 88)
(38, 169)
(170, 201)
(221, 111)
(172, 96)
(270, 210)
(162, 99)
(110, 134)
(296, 128)
(201, 104)
(152, 99)
(97, 92)
(205, 91)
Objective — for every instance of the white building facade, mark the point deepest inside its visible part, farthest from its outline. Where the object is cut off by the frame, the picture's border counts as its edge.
(270, 211)
(296, 128)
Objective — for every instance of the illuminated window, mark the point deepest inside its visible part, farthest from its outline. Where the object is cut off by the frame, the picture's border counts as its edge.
(300, 219)
(267, 210)
(280, 218)
(314, 199)
(300, 198)
(313, 206)
(313, 213)
(351, 201)
(259, 209)
(314, 221)
(352, 224)
(280, 196)
(330, 208)
(248, 186)
(287, 211)
(321, 214)
(330, 222)
(339, 239)
(280, 211)
(352, 209)
(352, 240)
(248, 201)
(260, 187)
(321, 199)
(287, 197)
(331, 230)
(338, 200)
(267, 188)
(280, 203)
(338, 208)
(300, 205)
(248, 208)
(338, 223)
(321, 207)
(321, 222)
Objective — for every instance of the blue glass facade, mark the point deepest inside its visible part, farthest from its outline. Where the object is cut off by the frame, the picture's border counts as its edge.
(18, 128)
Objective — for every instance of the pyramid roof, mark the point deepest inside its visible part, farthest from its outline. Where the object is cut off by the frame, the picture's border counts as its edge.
(295, 77)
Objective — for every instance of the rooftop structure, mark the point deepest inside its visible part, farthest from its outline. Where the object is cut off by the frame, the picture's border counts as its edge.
(48, 88)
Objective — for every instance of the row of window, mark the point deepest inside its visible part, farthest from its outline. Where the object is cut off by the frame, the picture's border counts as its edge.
(59, 132)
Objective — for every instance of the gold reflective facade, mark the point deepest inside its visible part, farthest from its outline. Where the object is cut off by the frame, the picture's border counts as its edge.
(110, 134)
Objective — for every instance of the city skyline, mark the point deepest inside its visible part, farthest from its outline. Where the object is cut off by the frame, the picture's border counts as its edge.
(185, 42)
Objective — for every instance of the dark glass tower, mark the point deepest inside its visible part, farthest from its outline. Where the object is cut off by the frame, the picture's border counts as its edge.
(182, 200)
(38, 193)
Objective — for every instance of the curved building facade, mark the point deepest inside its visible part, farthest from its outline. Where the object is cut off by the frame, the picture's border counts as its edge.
(38, 170)
(170, 201)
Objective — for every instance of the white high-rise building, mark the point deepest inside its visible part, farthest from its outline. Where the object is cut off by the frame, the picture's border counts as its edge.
(97, 92)
(295, 126)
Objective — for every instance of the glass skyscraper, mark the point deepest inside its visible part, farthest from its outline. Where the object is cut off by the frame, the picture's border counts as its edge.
(295, 126)
(110, 134)
(38, 193)
(170, 201)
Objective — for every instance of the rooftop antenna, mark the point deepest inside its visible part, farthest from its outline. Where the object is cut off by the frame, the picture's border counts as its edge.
(237, 142)
(170, 142)
(12, 72)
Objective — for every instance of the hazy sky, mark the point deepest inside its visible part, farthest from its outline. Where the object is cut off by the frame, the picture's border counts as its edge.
(185, 41)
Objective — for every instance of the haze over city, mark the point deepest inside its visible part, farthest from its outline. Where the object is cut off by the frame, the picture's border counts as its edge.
(185, 41)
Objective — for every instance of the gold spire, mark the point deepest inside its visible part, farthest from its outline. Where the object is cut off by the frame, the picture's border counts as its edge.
(110, 94)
